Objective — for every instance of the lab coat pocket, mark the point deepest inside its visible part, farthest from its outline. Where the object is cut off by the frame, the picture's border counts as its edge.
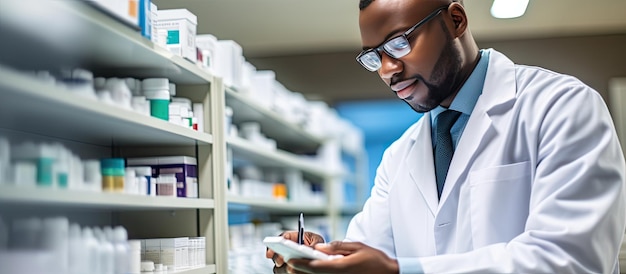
(499, 199)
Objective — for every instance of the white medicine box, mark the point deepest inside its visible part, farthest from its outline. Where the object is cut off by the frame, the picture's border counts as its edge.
(175, 253)
(181, 26)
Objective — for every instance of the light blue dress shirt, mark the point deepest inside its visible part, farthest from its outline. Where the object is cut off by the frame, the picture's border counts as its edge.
(464, 102)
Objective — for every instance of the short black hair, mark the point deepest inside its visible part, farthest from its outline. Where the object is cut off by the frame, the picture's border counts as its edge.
(364, 3)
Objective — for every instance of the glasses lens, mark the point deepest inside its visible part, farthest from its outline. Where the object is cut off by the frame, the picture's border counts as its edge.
(370, 61)
(397, 47)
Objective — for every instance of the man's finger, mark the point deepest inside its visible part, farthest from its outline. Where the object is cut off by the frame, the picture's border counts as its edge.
(339, 247)
(278, 260)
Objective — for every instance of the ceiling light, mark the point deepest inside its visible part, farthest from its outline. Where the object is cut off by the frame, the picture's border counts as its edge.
(508, 8)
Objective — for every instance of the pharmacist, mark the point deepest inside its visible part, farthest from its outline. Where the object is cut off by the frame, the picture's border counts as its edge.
(535, 182)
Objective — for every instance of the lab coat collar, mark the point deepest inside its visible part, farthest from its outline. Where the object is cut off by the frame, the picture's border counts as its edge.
(499, 92)
(420, 163)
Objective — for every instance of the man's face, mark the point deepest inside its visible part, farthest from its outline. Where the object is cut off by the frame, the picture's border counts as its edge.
(428, 75)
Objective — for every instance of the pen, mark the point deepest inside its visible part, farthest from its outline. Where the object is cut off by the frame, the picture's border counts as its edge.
(301, 229)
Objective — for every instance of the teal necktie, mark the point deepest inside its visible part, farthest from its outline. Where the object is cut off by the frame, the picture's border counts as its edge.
(443, 148)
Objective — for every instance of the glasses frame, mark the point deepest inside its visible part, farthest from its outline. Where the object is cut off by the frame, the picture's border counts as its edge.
(405, 35)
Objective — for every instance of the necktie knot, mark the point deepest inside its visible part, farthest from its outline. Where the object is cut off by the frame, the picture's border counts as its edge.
(445, 120)
(443, 148)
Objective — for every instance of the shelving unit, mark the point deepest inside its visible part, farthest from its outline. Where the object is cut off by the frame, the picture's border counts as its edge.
(286, 134)
(78, 35)
(244, 149)
(292, 141)
(97, 123)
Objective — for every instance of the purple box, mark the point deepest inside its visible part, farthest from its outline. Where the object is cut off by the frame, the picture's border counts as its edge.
(185, 169)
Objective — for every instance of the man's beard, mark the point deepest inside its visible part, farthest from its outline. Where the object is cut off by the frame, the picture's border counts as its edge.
(444, 78)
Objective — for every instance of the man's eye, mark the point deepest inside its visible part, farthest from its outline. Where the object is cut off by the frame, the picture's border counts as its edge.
(397, 44)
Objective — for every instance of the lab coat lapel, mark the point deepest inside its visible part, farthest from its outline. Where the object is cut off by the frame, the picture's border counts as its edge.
(498, 94)
(420, 164)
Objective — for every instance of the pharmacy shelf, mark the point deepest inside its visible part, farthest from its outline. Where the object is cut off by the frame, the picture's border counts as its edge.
(13, 195)
(276, 206)
(287, 135)
(265, 157)
(200, 270)
(33, 106)
(76, 34)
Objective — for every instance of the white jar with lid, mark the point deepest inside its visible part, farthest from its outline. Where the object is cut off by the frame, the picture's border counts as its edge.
(157, 91)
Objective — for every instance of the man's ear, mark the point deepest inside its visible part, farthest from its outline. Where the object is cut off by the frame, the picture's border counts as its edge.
(459, 18)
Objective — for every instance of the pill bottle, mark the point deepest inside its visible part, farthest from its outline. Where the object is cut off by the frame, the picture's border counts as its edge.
(134, 257)
(121, 250)
(145, 177)
(131, 183)
(54, 239)
(112, 174)
(157, 91)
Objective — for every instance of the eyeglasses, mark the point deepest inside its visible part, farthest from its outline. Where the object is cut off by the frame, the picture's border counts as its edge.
(397, 47)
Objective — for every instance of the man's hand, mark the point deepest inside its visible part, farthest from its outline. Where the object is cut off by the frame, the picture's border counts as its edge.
(280, 266)
(358, 259)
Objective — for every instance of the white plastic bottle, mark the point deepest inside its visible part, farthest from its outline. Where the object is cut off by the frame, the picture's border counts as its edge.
(107, 260)
(121, 250)
(134, 257)
(92, 251)
(131, 186)
(54, 238)
(77, 251)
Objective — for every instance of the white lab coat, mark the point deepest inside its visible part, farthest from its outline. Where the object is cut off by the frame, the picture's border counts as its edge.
(536, 184)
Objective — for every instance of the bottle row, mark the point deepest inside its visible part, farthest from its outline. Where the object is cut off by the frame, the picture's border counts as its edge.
(55, 166)
(152, 96)
(54, 245)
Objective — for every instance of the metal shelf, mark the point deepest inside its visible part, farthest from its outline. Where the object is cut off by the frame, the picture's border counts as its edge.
(13, 195)
(288, 136)
(275, 206)
(263, 157)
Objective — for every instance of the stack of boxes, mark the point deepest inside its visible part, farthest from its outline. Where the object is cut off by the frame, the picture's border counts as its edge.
(175, 253)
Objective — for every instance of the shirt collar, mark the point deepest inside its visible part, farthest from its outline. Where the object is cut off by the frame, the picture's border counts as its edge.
(467, 97)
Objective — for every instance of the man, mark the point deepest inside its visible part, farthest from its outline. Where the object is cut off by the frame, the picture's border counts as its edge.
(536, 180)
